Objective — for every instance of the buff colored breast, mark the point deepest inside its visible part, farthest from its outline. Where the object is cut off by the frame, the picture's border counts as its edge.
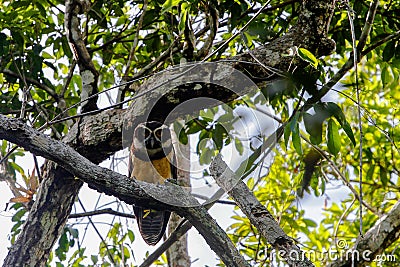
(155, 171)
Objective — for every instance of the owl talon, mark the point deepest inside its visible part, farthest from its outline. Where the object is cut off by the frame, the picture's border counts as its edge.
(171, 181)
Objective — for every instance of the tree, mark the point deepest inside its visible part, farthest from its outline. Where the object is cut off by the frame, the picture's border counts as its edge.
(327, 70)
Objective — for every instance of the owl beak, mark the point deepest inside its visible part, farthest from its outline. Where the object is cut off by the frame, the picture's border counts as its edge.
(150, 142)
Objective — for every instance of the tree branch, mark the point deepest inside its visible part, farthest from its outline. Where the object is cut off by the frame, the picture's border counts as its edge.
(259, 216)
(129, 190)
(99, 212)
(59, 185)
(88, 72)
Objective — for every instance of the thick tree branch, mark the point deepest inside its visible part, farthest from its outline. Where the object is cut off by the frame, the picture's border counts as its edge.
(259, 216)
(88, 72)
(128, 190)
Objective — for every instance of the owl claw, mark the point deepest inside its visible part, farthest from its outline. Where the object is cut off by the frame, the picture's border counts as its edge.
(171, 181)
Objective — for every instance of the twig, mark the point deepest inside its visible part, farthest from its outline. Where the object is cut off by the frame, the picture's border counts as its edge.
(68, 79)
(37, 168)
(121, 90)
(350, 14)
(367, 26)
(380, 42)
(341, 176)
(32, 81)
(344, 214)
(237, 33)
(135, 40)
(99, 212)
(98, 233)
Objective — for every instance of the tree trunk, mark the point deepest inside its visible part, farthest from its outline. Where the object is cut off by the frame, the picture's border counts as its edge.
(46, 219)
(178, 253)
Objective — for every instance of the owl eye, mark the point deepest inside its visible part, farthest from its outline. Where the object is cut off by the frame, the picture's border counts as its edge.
(158, 133)
(142, 133)
(147, 133)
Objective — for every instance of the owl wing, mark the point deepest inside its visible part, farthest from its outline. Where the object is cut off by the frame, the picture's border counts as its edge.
(152, 224)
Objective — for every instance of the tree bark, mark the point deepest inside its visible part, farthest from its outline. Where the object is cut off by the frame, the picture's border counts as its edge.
(258, 215)
(87, 70)
(46, 222)
(128, 190)
(178, 255)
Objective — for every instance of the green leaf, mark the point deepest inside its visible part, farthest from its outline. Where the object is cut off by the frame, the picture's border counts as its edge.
(370, 172)
(385, 75)
(307, 56)
(337, 112)
(65, 47)
(389, 50)
(168, 5)
(74, 232)
(183, 17)
(349, 132)
(314, 127)
(181, 133)
(183, 137)
(131, 235)
(286, 134)
(218, 135)
(310, 223)
(94, 258)
(383, 175)
(18, 215)
(206, 156)
(297, 140)
(239, 146)
(333, 138)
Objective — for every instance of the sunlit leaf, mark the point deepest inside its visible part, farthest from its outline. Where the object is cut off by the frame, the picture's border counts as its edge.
(169, 4)
(297, 140)
(333, 137)
(308, 56)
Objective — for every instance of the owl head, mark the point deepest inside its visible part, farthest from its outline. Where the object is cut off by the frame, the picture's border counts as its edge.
(151, 141)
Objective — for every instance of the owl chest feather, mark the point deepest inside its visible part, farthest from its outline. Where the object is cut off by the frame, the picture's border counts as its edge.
(155, 171)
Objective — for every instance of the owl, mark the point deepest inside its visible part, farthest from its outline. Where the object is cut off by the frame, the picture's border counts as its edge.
(152, 160)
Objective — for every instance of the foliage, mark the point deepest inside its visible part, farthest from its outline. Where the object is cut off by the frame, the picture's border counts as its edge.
(36, 64)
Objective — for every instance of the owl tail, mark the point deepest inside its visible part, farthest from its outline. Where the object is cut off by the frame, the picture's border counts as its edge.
(152, 224)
